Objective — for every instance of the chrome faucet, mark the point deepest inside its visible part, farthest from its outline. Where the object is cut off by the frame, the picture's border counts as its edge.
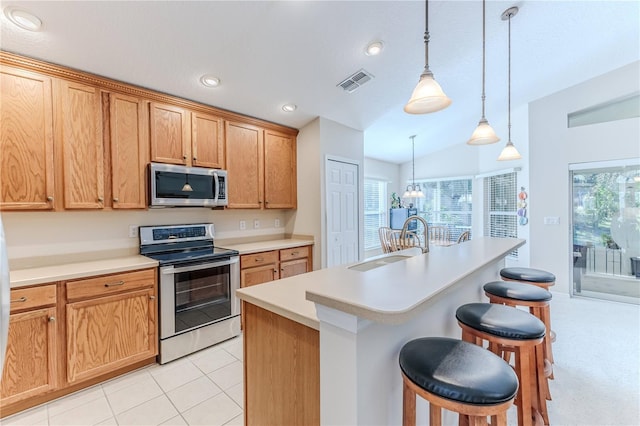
(403, 233)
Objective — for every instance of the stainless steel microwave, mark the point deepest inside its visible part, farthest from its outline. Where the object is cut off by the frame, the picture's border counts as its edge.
(181, 186)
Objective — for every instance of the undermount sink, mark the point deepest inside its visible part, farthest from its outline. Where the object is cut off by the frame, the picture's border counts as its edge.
(376, 263)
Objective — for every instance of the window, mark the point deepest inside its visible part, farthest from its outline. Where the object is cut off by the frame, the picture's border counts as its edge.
(500, 207)
(375, 211)
(447, 202)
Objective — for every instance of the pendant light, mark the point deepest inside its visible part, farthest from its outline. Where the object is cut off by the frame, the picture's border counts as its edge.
(428, 95)
(509, 152)
(413, 190)
(484, 133)
(186, 187)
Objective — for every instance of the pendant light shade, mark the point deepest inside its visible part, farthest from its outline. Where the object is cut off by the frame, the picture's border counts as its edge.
(509, 152)
(428, 96)
(413, 190)
(484, 133)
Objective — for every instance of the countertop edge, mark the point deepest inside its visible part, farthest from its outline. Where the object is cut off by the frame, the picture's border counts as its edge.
(260, 246)
(279, 310)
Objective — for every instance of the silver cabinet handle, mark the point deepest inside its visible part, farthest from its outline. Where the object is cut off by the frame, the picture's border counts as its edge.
(295, 253)
(259, 259)
(115, 200)
(50, 198)
(119, 283)
(20, 300)
(100, 199)
(152, 298)
(52, 319)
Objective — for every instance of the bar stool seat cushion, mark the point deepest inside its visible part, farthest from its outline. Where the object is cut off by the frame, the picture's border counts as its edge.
(458, 371)
(517, 291)
(500, 320)
(528, 274)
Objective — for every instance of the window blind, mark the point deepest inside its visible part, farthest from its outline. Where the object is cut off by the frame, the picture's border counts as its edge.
(447, 202)
(375, 211)
(500, 207)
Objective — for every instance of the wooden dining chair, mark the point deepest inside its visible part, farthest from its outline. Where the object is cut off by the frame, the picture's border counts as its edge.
(438, 235)
(384, 232)
(463, 237)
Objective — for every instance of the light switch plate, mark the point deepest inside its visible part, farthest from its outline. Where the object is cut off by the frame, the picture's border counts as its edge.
(243, 225)
(277, 223)
(133, 231)
(256, 224)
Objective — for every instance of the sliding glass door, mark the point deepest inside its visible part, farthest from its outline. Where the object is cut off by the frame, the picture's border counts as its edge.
(606, 230)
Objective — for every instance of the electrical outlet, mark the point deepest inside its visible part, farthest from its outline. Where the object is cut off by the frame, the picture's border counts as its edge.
(133, 231)
(243, 225)
(256, 224)
(277, 223)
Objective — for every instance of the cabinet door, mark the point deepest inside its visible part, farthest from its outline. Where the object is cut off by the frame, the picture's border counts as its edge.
(207, 144)
(107, 333)
(30, 363)
(169, 134)
(294, 267)
(26, 141)
(129, 151)
(244, 163)
(258, 275)
(80, 127)
(280, 175)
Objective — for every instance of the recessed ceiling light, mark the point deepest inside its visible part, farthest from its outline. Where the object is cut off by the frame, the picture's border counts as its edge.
(374, 48)
(289, 107)
(22, 19)
(210, 80)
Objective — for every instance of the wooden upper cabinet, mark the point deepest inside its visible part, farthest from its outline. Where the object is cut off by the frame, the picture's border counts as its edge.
(169, 134)
(79, 128)
(26, 141)
(207, 141)
(244, 158)
(129, 151)
(280, 173)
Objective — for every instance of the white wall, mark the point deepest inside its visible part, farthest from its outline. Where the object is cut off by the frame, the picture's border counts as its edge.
(553, 147)
(32, 234)
(320, 139)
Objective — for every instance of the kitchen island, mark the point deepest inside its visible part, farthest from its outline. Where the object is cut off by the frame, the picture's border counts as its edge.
(322, 348)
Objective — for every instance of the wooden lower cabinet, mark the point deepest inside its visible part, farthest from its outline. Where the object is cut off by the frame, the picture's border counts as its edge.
(65, 336)
(106, 333)
(30, 362)
(281, 370)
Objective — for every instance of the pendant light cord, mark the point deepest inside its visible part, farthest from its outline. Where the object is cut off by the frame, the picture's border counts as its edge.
(509, 82)
(427, 71)
(413, 162)
(483, 60)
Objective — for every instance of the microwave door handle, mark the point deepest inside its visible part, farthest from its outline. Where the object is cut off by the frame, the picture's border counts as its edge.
(216, 191)
(174, 270)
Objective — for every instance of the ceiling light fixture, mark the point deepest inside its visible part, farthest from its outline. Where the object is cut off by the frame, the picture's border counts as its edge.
(413, 190)
(23, 19)
(428, 95)
(289, 107)
(484, 133)
(509, 152)
(210, 80)
(374, 48)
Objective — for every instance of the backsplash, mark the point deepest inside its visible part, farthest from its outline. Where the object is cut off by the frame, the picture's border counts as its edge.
(35, 234)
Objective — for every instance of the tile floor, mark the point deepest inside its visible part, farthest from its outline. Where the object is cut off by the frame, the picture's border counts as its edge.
(204, 388)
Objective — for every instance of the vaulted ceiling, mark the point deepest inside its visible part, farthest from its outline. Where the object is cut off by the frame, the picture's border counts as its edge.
(268, 53)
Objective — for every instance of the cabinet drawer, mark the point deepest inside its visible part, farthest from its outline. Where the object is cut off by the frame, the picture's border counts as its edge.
(257, 259)
(32, 297)
(109, 284)
(294, 253)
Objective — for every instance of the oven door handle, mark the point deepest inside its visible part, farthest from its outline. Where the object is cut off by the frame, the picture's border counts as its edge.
(174, 270)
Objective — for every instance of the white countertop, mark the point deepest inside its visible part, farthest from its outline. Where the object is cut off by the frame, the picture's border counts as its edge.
(255, 247)
(74, 270)
(390, 294)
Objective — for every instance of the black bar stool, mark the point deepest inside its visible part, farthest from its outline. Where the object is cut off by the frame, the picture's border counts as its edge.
(457, 376)
(539, 278)
(507, 326)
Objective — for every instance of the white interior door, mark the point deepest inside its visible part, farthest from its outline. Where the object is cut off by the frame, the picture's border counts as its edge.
(342, 213)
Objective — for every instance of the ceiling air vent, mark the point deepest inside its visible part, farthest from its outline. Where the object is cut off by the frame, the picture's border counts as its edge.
(357, 79)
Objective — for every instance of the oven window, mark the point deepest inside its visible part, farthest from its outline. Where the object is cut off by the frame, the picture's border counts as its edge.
(202, 297)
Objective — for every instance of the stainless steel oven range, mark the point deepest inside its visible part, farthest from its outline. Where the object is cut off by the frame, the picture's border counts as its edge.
(198, 307)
